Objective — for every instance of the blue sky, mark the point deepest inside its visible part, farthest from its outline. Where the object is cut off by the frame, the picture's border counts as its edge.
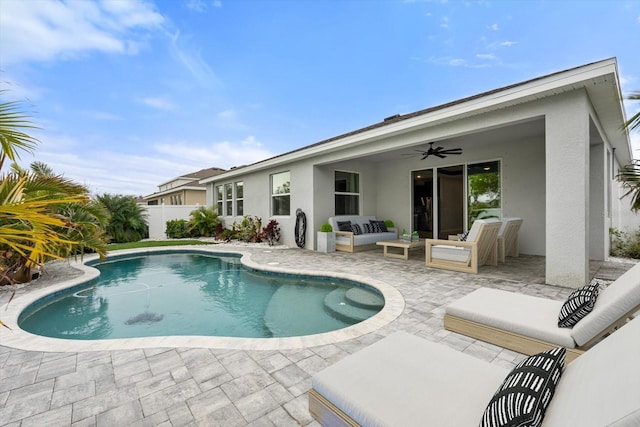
(130, 94)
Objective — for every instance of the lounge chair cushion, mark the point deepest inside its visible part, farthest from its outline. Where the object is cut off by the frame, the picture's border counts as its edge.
(523, 397)
(578, 304)
(601, 387)
(404, 380)
(616, 300)
(526, 315)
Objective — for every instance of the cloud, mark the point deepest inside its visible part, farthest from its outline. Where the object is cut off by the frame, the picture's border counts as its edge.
(493, 27)
(50, 30)
(101, 115)
(159, 103)
(222, 154)
(192, 60)
(487, 56)
(202, 5)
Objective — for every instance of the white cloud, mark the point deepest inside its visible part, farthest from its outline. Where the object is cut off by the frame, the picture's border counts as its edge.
(48, 30)
(222, 154)
(192, 60)
(101, 115)
(159, 103)
(487, 56)
(493, 27)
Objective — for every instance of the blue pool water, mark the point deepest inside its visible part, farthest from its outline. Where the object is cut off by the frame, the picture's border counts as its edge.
(198, 294)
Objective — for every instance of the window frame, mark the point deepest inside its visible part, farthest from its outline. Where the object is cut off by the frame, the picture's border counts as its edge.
(337, 193)
(239, 199)
(274, 195)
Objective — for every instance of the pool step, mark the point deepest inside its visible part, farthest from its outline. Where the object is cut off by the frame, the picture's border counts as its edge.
(341, 305)
(364, 299)
(301, 302)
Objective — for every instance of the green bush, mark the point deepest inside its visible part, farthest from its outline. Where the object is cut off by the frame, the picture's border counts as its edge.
(249, 229)
(388, 223)
(625, 245)
(326, 228)
(177, 229)
(204, 222)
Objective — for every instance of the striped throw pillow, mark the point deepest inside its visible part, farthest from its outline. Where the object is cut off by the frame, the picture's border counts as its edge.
(524, 395)
(578, 304)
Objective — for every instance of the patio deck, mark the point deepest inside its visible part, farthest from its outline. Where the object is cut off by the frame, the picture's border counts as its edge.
(198, 386)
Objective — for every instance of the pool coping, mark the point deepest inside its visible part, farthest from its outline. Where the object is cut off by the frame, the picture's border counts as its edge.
(21, 339)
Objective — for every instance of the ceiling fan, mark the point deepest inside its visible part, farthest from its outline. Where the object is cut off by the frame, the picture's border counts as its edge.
(439, 152)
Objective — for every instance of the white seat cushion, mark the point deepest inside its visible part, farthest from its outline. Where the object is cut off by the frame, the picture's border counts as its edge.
(522, 314)
(450, 253)
(404, 380)
(601, 387)
(612, 303)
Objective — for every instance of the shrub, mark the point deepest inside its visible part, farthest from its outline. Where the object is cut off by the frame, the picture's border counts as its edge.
(326, 228)
(249, 229)
(625, 245)
(272, 232)
(177, 229)
(388, 223)
(204, 222)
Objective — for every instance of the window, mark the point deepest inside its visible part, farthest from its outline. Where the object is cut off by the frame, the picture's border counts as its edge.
(483, 191)
(347, 193)
(219, 198)
(239, 198)
(228, 199)
(280, 193)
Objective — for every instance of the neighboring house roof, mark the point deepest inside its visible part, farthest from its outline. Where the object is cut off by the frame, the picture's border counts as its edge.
(600, 79)
(189, 181)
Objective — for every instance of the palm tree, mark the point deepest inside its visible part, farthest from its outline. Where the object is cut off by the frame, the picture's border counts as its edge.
(629, 175)
(33, 225)
(128, 219)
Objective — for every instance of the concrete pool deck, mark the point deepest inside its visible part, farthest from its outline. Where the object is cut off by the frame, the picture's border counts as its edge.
(168, 385)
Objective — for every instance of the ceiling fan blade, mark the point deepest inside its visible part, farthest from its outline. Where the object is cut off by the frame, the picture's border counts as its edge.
(440, 155)
(425, 155)
(452, 151)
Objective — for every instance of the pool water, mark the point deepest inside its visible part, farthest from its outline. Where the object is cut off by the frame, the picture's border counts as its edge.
(198, 294)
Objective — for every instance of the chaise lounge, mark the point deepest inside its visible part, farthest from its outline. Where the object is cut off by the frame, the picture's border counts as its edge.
(529, 324)
(404, 380)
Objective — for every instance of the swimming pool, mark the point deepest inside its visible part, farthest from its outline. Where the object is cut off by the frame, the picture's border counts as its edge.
(192, 293)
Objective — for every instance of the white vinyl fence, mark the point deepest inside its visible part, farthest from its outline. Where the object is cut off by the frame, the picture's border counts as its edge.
(158, 215)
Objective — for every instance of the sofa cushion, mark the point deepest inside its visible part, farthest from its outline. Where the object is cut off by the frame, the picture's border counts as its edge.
(344, 225)
(356, 229)
(578, 304)
(368, 228)
(523, 397)
(378, 226)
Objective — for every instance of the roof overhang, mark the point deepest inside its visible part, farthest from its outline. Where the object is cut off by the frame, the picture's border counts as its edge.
(174, 190)
(599, 79)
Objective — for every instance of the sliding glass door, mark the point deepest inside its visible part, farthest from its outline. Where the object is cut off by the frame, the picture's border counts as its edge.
(447, 200)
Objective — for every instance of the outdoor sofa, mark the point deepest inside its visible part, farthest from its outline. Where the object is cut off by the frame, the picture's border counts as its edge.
(529, 324)
(354, 233)
(404, 380)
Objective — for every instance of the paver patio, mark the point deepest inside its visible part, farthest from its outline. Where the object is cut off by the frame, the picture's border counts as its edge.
(208, 387)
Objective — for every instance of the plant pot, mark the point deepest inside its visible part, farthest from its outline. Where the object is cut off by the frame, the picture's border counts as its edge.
(326, 241)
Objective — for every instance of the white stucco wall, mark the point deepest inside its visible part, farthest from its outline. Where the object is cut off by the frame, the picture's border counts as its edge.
(158, 215)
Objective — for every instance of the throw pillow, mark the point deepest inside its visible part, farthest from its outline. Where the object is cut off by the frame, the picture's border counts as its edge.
(356, 229)
(378, 226)
(578, 304)
(525, 393)
(344, 225)
(463, 237)
(368, 228)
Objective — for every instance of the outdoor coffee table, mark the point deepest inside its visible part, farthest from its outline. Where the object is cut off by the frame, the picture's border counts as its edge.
(402, 244)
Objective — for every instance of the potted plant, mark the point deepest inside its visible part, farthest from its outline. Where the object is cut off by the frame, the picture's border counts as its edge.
(414, 236)
(405, 236)
(326, 239)
(391, 226)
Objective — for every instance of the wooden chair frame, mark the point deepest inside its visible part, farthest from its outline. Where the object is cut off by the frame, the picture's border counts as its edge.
(509, 241)
(483, 250)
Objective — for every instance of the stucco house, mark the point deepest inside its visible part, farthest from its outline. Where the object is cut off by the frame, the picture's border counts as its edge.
(183, 190)
(547, 150)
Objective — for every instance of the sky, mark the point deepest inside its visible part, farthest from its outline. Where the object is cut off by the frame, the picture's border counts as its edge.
(129, 94)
